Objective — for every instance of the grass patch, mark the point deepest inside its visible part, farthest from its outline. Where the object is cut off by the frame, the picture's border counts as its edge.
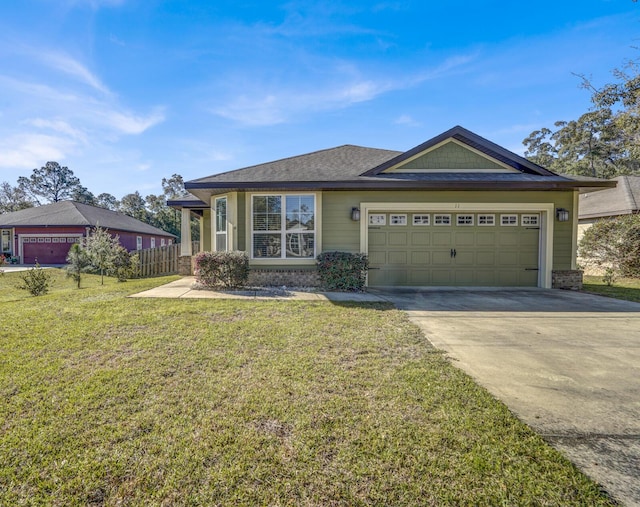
(623, 288)
(115, 401)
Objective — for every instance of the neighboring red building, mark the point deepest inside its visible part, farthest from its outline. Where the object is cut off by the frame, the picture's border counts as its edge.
(47, 232)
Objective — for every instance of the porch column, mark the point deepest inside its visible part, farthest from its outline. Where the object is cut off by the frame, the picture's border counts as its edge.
(185, 233)
(184, 262)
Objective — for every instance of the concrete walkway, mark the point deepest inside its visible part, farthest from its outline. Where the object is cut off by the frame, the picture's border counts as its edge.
(566, 363)
(12, 268)
(185, 288)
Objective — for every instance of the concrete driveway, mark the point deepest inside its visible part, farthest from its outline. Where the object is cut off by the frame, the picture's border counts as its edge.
(566, 363)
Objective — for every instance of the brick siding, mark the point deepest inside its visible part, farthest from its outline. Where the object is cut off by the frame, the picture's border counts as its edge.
(570, 279)
(280, 277)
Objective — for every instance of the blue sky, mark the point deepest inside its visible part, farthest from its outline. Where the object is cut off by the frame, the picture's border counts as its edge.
(126, 92)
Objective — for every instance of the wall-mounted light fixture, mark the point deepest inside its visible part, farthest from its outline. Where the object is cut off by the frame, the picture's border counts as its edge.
(562, 215)
(355, 214)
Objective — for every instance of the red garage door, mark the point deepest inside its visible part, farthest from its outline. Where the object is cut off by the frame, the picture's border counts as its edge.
(46, 249)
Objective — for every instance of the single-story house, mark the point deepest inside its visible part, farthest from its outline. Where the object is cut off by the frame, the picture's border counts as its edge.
(457, 210)
(45, 233)
(624, 199)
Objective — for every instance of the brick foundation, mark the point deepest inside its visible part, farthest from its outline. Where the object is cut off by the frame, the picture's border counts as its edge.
(185, 267)
(570, 279)
(280, 277)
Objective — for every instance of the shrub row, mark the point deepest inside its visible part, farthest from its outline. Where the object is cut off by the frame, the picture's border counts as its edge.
(342, 271)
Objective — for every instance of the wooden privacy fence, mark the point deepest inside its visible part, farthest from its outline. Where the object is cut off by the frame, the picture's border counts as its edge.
(162, 260)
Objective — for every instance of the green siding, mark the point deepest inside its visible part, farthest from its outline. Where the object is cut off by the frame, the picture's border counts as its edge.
(205, 231)
(563, 232)
(241, 240)
(339, 232)
(451, 156)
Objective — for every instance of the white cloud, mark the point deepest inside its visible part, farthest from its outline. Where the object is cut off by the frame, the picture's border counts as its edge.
(128, 123)
(59, 126)
(36, 91)
(26, 151)
(57, 108)
(407, 120)
(64, 63)
(344, 86)
(280, 107)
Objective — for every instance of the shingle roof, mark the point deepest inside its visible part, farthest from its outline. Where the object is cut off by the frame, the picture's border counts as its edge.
(624, 199)
(343, 163)
(71, 213)
(355, 167)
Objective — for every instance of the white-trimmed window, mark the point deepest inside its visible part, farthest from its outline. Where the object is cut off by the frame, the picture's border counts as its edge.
(163, 242)
(486, 220)
(283, 226)
(397, 219)
(153, 242)
(377, 219)
(138, 242)
(509, 220)
(530, 220)
(464, 219)
(6, 241)
(441, 219)
(221, 224)
(421, 219)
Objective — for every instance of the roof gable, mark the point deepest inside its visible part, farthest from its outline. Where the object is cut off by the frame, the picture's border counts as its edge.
(477, 149)
(449, 156)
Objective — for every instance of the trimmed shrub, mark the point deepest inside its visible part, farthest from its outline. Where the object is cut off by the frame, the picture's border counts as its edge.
(226, 270)
(35, 280)
(343, 270)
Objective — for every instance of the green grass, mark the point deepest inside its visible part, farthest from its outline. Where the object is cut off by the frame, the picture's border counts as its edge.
(623, 288)
(106, 400)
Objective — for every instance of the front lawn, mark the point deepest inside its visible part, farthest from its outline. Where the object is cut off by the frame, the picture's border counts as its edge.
(106, 400)
(623, 288)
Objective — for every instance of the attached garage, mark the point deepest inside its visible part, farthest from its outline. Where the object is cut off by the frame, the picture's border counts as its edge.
(453, 249)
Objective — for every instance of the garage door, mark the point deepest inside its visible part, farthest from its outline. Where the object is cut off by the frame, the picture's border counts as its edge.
(454, 249)
(46, 249)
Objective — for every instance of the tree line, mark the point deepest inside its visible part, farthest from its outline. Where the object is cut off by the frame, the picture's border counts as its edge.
(52, 183)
